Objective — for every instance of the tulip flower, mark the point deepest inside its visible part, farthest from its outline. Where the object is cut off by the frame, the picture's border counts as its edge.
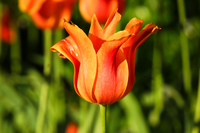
(104, 61)
(8, 35)
(102, 8)
(48, 14)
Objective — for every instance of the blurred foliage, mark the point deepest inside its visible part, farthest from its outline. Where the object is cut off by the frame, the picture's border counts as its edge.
(158, 103)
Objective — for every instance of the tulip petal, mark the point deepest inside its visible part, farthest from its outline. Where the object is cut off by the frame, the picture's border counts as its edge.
(145, 33)
(109, 79)
(97, 42)
(111, 24)
(122, 75)
(105, 8)
(131, 66)
(140, 38)
(95, 27)
(88, 61)
(109, 28)
(98, 35)
(133, 27)
(67, 48)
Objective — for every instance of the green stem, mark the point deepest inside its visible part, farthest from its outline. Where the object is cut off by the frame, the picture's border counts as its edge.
(197, 111)
(54, 94)
(185, 61)
(103, 109)
(57, 61)
(181, 11)
(42, 108)
(45, 87)
(157, 84)
(47, 52)
(196, 128)
(184, 48)
(16, 67)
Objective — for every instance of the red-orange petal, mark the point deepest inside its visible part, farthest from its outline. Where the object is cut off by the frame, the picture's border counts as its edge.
(95, 28)
(137, 41)
(109, 78)
(122, 75)
(88, 61)
(98, 35)
(67, 48)
(109, 28)
(145, 33)
(111, 24)
(133, 27)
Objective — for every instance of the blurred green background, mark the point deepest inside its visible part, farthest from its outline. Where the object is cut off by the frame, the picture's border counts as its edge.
(164, 99)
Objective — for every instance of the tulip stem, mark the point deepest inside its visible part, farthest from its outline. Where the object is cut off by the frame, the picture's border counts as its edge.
(16, 67)
(103, 109)
(187, 78)
(197, 111)
(47, 52)
(45, 86)
(184, 48)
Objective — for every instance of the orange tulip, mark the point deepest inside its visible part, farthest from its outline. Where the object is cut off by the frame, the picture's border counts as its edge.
(8, 35)
(48, 14)
(104, 61)
(102, 8)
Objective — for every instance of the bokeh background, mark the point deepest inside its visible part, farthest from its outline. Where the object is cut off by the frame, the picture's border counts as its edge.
(164, 99)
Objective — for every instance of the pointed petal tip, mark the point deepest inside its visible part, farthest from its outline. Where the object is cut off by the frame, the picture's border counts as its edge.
(65, 22)
(155, 29)
(152, 27)
(94, 19)
(56, 48)
(53, 49)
